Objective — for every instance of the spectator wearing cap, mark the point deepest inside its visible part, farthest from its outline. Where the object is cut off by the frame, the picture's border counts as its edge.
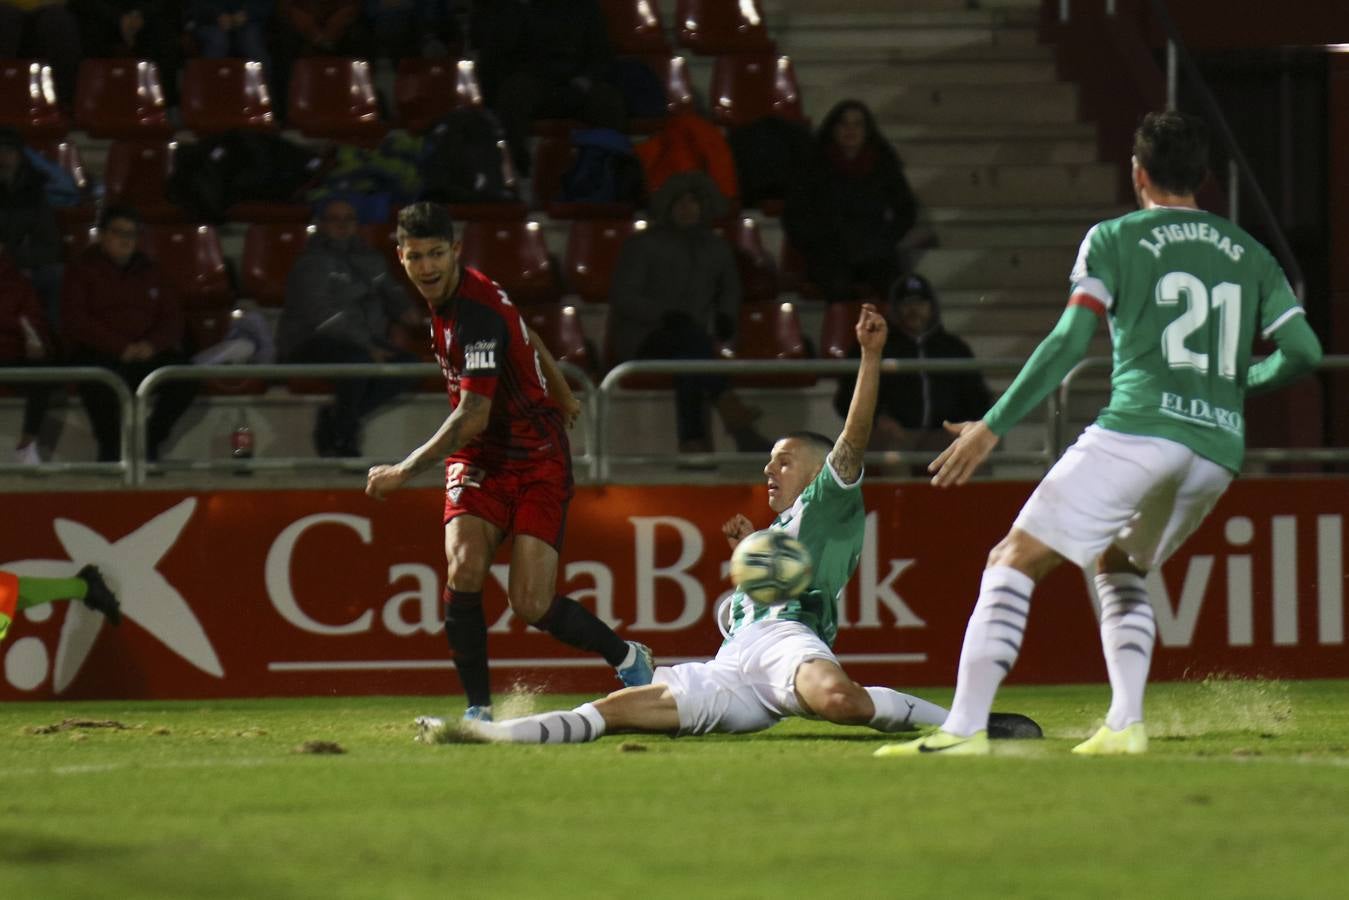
(117, 313)
(28, 228)
(912, 406)
(851, 210)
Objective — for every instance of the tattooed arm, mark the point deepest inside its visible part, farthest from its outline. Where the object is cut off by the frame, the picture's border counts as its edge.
(464, 424)
(846, 457)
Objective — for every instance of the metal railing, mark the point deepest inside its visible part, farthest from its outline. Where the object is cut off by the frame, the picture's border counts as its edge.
(58, 377)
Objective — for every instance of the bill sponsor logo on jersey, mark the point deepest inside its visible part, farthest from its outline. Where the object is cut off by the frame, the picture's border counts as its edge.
(480, 355)
(1201, 412)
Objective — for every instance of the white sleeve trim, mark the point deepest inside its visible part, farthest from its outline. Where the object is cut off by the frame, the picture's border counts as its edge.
(1094, 287)
(1279, 322)
(829, 464)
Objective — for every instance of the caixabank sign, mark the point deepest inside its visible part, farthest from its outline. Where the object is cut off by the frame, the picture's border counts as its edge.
(247, 593)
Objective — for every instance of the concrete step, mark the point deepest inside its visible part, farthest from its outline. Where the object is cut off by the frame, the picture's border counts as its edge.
(903, 131)
(900, 17)
(962, 235)
(1002, 186)
(824, 76)
(1055, 102)
(934, 39)
(1022, 267)
(775, 10)
(1028, 151)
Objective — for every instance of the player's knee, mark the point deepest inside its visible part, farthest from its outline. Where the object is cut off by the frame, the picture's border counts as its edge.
(841, 702)
(530, 605)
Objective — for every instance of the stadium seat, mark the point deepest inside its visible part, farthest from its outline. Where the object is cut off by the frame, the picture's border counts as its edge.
(137, 174)
(838, 330)
(514, 255)
(120, 98)
(76, 235)
(192, 262)
(770, 331)
(206, 328)
(749, 87)
(28, 99)
(426, 89)
(334, 97)
(559, 326)
(66, 154)
(553, 156)
(792, 272)
(225, 94)
(634, 27)
(673, 72)
(758, 274)
(710, 27)
(270, 249)
(593, 246)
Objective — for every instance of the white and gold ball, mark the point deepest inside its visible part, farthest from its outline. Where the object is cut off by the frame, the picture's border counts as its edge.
(771, 566)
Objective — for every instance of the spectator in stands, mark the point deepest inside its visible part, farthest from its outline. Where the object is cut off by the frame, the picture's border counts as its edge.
(135, 29)
(117, 313)
(43, 29)
(27, 222)
(413, 28)
(544, 59)
(341, 300)
(25, 340)
(321, 28)
(231, 28)
(912, 406)
(676, 292)
(853, 207)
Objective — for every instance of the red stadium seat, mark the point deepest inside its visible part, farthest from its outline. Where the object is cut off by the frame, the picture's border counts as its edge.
(192, 262)
(792, 272)
(66, 154)
(721, 26)
(426, 89)
(269, 253)
(559, 325)
(593, 246)
(76, 235)
(515, 256)
(553, 156)
(224, 95)
(758, 274)
(838, 331)
(334, 97)
(120, 98)
(673, 72)
(206, 328)
(749, 87)
(770, 331)
(634, 27)
(28, 99)
(137, 174)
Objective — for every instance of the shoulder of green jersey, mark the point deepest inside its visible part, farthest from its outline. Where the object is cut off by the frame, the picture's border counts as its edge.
(1282, 320)
(1095, 288)
(829, 466)
(1080, 264)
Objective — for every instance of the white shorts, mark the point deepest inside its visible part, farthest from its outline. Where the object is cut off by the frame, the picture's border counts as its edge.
(1144, 494)
(751, 683)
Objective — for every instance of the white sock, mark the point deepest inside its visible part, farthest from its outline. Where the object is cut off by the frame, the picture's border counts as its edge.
(901, 712)
(569, 726)
(1128, 634)
(992, 641)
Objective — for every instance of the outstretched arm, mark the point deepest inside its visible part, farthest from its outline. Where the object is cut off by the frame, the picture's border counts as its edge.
(464, 424)
(846, 457)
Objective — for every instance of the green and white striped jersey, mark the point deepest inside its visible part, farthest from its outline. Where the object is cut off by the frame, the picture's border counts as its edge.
(1184, 292)
(830, 520)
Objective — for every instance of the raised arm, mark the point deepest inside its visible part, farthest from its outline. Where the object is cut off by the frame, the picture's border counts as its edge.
(846, 457)
(464, 424)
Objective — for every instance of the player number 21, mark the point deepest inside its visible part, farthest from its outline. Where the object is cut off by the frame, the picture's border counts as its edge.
(1225, 298)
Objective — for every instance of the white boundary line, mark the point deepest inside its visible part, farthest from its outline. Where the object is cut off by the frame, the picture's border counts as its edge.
(361, 665)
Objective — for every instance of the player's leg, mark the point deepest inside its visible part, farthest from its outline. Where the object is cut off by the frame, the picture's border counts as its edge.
(649, 708)
(88, 586)
(826, 691)
(470, 544)
(9, 601)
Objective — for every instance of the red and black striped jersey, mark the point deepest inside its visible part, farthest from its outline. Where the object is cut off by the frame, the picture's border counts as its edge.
(482, 345)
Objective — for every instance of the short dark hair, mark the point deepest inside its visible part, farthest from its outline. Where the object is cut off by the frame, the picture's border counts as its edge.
(816, 440)
(1173, 148)
(425, 220)
(118, 211)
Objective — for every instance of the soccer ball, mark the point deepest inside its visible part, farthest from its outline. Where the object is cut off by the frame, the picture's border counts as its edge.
(771, 566)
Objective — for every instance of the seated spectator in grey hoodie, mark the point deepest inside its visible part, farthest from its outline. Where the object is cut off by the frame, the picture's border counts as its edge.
(341, 300)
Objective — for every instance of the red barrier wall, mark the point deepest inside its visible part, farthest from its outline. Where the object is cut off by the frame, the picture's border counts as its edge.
(237, 594)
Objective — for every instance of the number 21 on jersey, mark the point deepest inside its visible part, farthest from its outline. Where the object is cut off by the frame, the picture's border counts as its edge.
(1224, 299)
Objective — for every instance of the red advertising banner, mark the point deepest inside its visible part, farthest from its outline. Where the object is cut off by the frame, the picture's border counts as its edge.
(248, 593)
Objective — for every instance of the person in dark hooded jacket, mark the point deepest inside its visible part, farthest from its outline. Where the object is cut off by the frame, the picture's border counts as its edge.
(852, 207)
(912, 406)
(676, 292)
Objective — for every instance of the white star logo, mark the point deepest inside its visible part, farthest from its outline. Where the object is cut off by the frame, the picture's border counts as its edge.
(147, 598)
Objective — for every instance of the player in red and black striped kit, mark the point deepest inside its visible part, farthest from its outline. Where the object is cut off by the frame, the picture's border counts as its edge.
(507, 460)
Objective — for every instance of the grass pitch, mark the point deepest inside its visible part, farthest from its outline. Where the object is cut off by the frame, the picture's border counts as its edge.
(1245, 793)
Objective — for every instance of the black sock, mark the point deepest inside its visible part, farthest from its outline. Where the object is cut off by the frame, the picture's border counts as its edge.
(573, 624)
(467, 630)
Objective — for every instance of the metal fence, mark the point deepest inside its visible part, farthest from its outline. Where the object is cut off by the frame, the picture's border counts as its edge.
(598, 422)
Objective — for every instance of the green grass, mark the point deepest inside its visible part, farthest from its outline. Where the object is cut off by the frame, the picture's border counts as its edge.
(1245, 793)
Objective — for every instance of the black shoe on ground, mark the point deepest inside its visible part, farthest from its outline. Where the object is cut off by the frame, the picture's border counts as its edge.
(1012, 726)
(99, 597)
